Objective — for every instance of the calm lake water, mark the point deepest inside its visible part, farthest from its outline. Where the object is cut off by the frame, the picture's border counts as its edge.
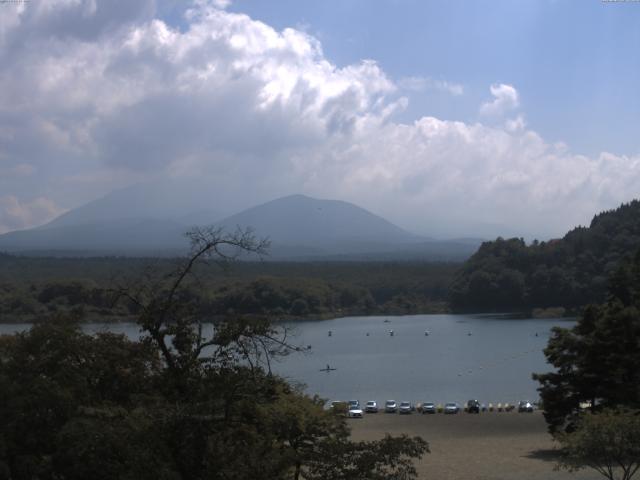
(464, 356)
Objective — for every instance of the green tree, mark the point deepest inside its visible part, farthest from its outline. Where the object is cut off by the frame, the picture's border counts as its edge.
(608, 442)
(598, 361)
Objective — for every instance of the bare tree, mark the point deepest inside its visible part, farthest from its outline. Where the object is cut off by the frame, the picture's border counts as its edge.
(172, 315)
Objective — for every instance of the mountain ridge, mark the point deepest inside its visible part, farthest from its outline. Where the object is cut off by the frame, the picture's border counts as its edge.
(300, 228)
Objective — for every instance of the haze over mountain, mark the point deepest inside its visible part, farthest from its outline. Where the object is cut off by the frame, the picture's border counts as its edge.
(165, 201)
(131, 222)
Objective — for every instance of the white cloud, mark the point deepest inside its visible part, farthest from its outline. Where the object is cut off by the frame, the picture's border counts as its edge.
(505, 98)
(16, 215)
(515, 124)
(258, 113)
(420, 84)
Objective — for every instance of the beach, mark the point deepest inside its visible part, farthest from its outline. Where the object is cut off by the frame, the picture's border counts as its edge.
(486, 446)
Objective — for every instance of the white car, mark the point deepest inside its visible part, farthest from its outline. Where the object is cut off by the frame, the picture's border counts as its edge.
(354, 412)
(371, 407)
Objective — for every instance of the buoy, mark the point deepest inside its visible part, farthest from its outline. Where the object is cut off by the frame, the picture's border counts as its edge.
(426, 333)
(329, 332)
(367, 334)
(391, 332)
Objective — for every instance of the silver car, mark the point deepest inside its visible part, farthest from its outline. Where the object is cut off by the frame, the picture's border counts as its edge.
(405, 408)
(390, 406)
(428, 407)
(371, 407)
(451, 408)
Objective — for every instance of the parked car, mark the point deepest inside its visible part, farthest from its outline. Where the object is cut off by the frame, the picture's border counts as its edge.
(451, 408)
(473, 406)
(428, 407)
(354, 412)
(525, 406)
(354, 403)
(371, 407)
(405, 408)
(390, 406)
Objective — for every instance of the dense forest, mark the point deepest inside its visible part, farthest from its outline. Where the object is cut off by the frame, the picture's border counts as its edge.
(569, 272)
(32, 288)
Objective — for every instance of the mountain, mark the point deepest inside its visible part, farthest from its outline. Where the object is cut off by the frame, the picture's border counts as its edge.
(568, 272)
(140, 221)
(305, 228)
(146, 201)
(298, 219)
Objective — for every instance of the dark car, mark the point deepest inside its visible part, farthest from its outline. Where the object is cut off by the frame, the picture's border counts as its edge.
(473, 406)
(525, 406)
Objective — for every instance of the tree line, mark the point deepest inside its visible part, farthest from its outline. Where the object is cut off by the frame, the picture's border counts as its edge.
(569, 272)
(33, 288)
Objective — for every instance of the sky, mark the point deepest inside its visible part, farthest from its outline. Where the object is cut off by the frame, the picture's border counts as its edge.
(449, 118)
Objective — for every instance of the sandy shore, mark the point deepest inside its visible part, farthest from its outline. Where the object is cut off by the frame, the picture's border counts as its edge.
(489, 446)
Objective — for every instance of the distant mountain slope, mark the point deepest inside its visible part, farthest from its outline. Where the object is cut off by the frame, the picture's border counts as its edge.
(568, 272)
(302, 220)
(128, 236)
(147, 201)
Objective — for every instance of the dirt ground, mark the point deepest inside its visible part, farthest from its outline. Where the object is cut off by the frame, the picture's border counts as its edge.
(488, 446)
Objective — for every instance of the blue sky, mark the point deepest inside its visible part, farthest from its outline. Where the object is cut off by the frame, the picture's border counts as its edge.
(449, 118)
(576, 64)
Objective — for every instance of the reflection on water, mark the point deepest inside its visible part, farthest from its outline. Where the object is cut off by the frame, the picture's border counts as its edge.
(435, 358)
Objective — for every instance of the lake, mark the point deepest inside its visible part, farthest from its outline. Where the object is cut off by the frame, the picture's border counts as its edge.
(490, 358)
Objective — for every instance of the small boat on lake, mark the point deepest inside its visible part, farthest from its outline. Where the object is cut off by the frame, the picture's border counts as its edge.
(328, 368)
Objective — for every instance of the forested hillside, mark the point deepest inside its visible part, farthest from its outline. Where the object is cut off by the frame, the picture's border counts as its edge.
(568, 272)
(33, 288)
